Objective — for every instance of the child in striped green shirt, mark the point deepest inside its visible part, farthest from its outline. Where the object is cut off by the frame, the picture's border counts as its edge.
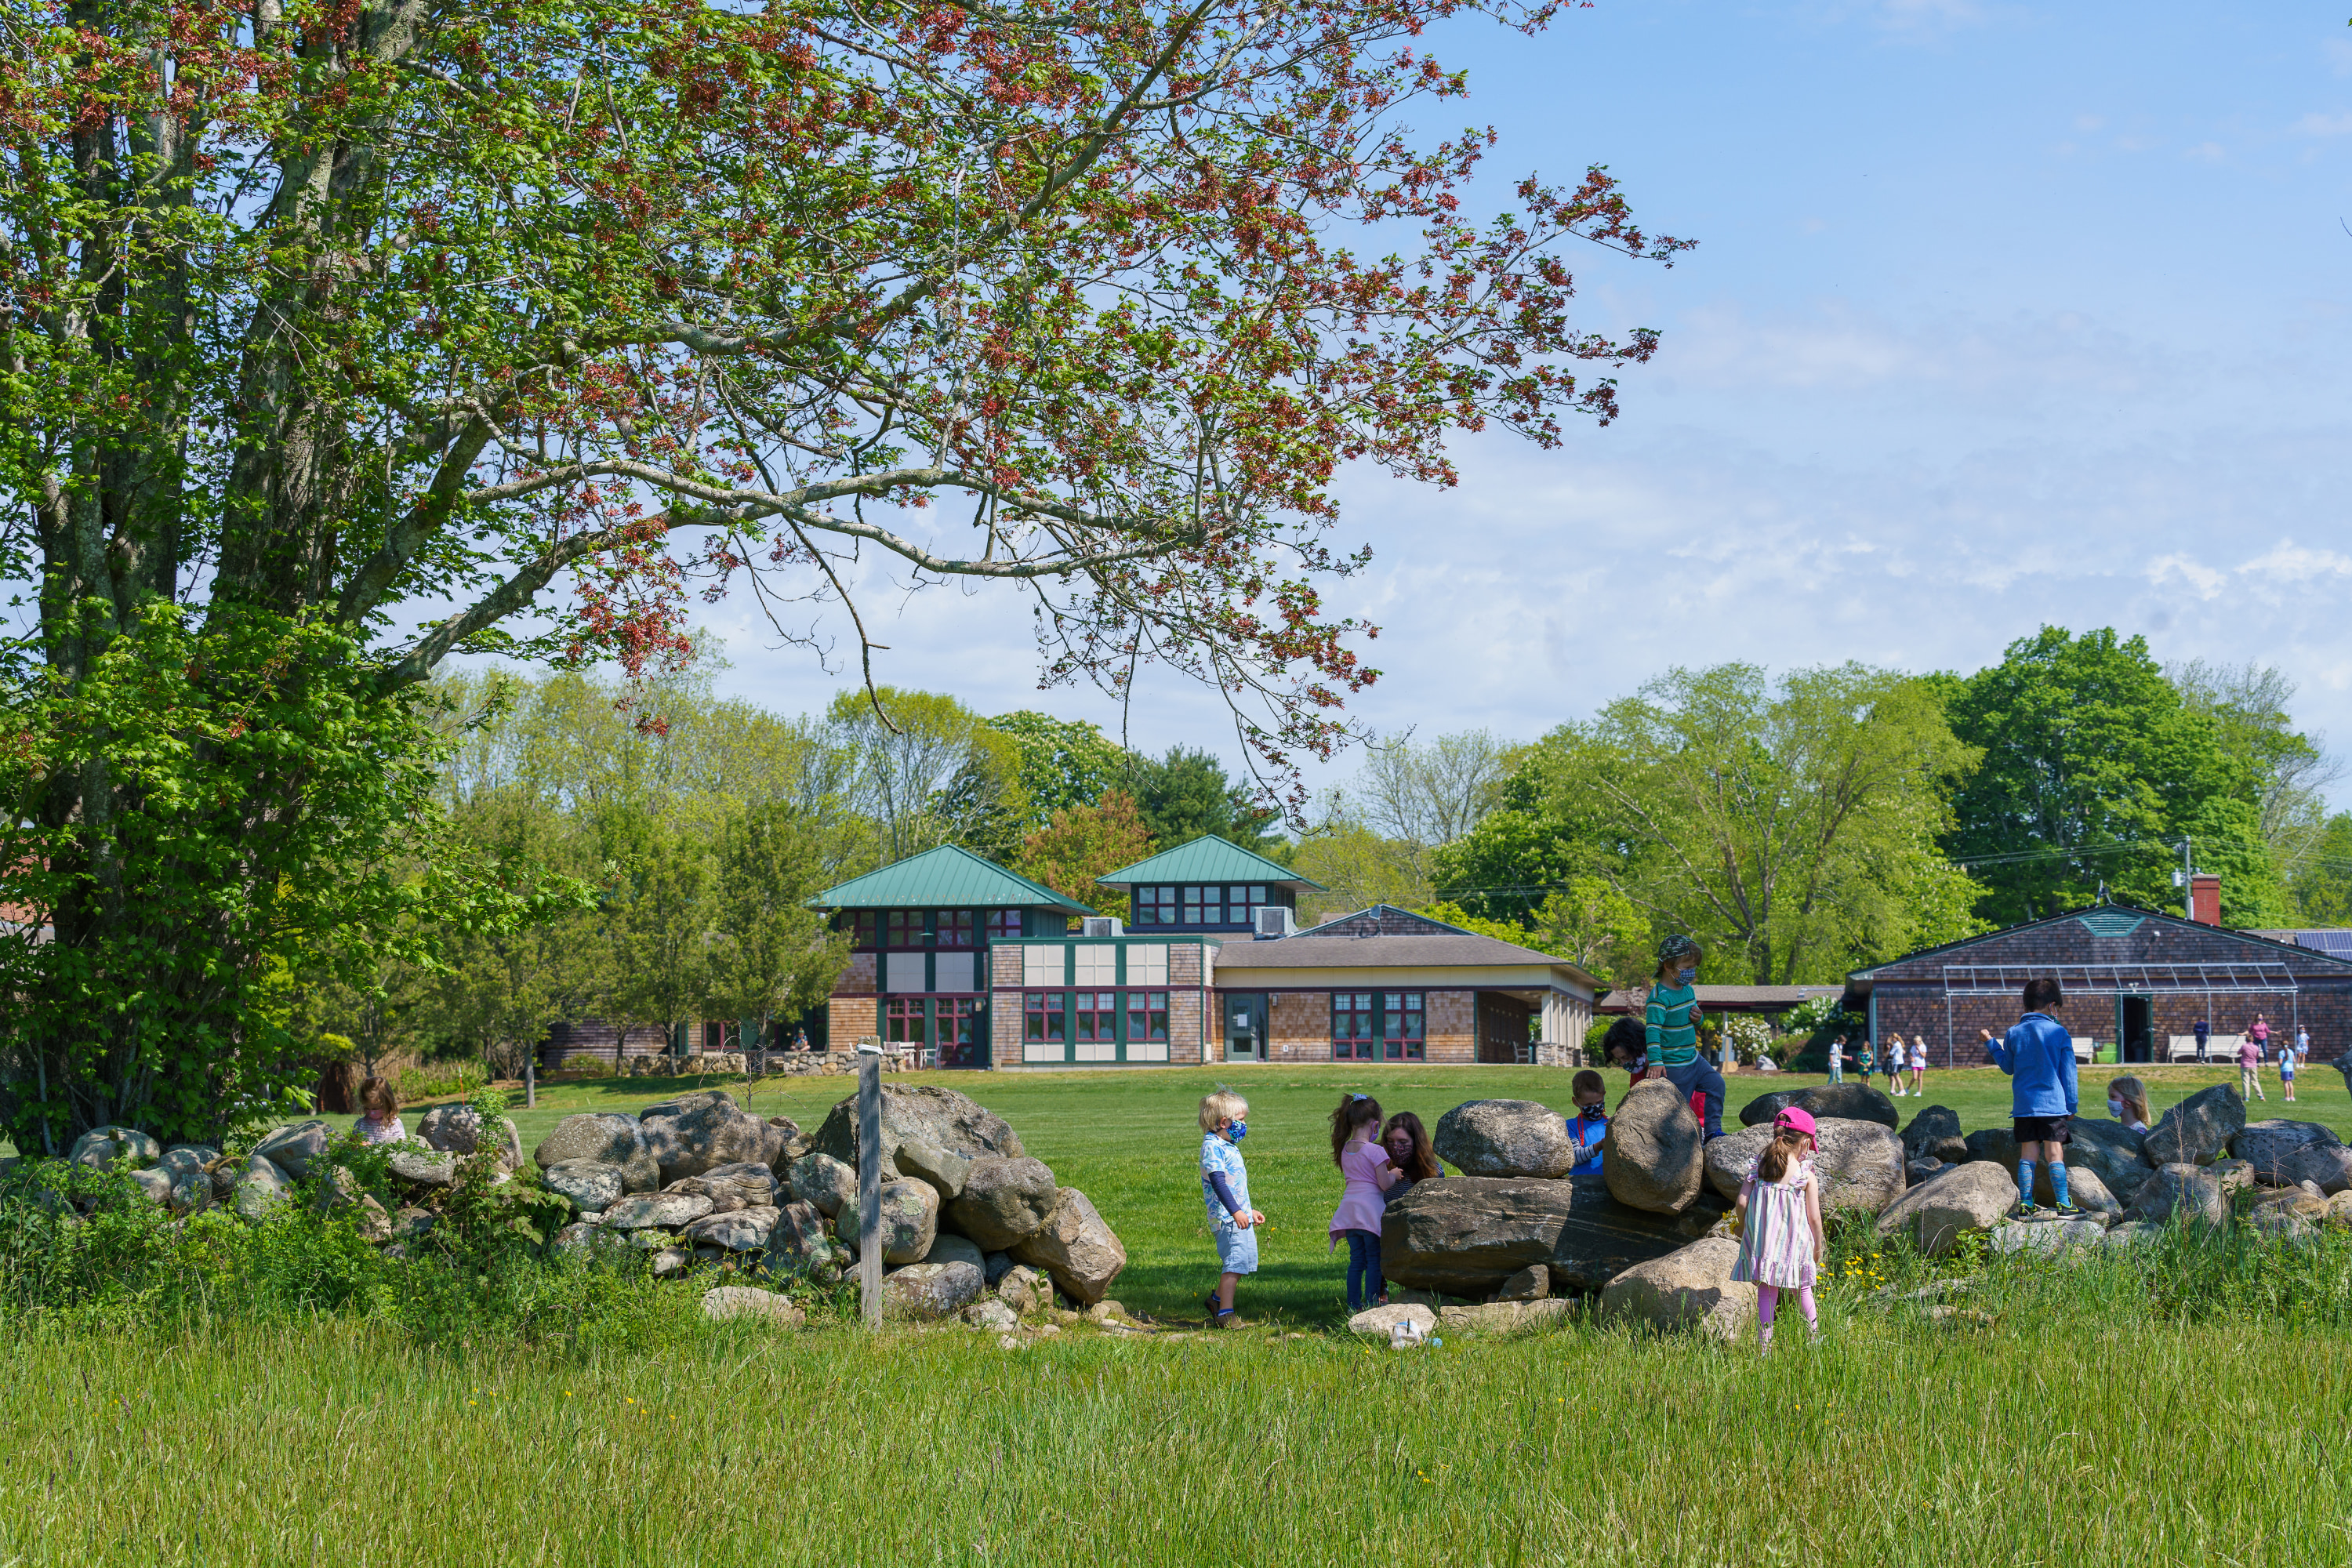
(1670, 1027)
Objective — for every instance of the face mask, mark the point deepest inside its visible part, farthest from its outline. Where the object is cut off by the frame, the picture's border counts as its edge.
(2115, 1108)
(1683, 976)
(1593, 1112)
(1236, 1131)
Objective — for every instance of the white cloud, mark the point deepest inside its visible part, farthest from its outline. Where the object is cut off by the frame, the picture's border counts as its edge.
(2207, 582)
(2324, 125)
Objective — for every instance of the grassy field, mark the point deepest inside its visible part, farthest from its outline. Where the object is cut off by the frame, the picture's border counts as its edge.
(1130, 1139)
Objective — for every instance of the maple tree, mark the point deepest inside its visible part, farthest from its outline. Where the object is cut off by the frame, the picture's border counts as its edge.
(339, 338)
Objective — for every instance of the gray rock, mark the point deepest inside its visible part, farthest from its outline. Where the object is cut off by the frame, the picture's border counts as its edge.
(651, 1211)
(1919, 1171)
(102, 1147)
(260, 1188)
(1846, 1101)
(589, 1186)
(2084, 1187)
(1860, 1164)
(929, 1290)
(1933, 1133)
(1654, 1155)
(294, 1147)
(188, 1158)
(698, 1133)
(2327, 1167)
(758, 1183)
(2182, 1190)
(1689, 1289)
(990, 1313)
(822, 1183)
(460, 1129)
(1532, 1283)
(1024, 1289)
(2114, 1150)
(670, 1261)
(2197, 1131)
(1504, 1317)
(580, 1236)
(156, 1184)
(950, 1248)
(1505, 1138)
(1002, 1201)
(2046, 1237)
(607, 1138)
(798, 1244)
(2269, 1145)
(1465, 1235)
(1380, 1322)
(2131, 1233)
(996, 1265)
(1073, 1246)
(737, 1230)
(2233, 1175)
(436, 1169)
(919, 1114)
(909, 1222)
(1937, 1213)
(929, 1162)
(191, 1192)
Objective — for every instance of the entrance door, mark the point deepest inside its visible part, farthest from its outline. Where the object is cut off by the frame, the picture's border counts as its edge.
(2134, 1029)
(1245, 1026)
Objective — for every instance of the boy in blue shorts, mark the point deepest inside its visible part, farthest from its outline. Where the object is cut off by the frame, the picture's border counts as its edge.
(2040, 1061)
(1224, 1187)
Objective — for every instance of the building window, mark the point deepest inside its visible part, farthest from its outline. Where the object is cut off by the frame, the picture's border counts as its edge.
(905, 928)
(962, 1042)
(1195, 912)
(1242, 903)
(1351, 1026)
(1003, 923)
(1155, 906)
(1404, 1026)
(860, 924)
(904, 1021)
(1097, 1018)
(955, 928)
(1147, 1016)
(1042, 1018)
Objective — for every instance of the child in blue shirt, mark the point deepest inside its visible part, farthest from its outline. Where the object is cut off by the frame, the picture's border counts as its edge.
(1590, 1125)
(1224, 1187)
(2040, 1061)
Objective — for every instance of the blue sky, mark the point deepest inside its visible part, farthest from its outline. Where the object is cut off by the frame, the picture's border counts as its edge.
(2001, 315)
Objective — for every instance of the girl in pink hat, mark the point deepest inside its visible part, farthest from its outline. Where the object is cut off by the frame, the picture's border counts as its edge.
(1781, 1242)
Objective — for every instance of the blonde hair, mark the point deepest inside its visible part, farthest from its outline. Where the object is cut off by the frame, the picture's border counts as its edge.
(1222, 1106)
(2134, 1094)
(378, 1092)
(1786, 1145)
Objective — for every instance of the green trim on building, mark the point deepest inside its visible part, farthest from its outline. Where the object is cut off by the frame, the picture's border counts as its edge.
(1208, 860)
(949, 877)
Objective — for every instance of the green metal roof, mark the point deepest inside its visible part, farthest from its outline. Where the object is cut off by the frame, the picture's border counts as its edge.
(1208, 860)
(948, 878)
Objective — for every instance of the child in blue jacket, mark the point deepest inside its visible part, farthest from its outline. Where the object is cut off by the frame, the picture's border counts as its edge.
(2039, 1057)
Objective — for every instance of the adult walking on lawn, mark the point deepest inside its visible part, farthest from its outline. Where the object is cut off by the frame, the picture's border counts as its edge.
(2250, 1066)
(2204, 1031)
(2039, 1057)
(1670, 1029)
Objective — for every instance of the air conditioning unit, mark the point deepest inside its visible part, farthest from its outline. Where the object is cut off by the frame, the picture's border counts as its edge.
(1273, 920)
(1099, 926)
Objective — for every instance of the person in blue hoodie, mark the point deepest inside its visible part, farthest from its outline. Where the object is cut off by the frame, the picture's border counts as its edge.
(2039, 1057)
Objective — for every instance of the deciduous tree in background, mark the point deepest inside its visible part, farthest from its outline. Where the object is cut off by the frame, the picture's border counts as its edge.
(1083, 842)
(771, 955)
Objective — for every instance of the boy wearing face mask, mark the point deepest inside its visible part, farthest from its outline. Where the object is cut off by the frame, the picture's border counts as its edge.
(1670, 1028)
(1224, 1187)
(1590, 1125)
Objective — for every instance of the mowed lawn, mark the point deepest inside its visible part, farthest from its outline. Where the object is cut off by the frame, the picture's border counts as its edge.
(1130, 1139)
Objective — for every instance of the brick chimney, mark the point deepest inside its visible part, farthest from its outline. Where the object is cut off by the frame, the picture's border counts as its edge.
(2205, 898)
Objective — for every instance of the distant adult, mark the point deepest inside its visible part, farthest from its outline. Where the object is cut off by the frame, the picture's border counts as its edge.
(2204, 1032)
(2039, 1056)
(2259, 1031)
(2250, 1066)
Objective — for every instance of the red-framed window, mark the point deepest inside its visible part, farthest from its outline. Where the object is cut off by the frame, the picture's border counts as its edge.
(903, 928)
(1147, 1016)
(904, 1021)
(1204, 906)
(1241, 902)
(963, 1042)
(1043, 1017)
(1352, 1040)
(1097, 1018)
(1155, 906)
(1003, 923)
(1404, 1026)
(861, 925)
(955, 928)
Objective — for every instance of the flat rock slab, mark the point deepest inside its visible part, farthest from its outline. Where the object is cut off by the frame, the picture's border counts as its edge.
(2047, 1235)
(1380, 1320)
(1465, 1236)
(735, 1303)
(653, 1211)
(1505, 1317)
(737, 1230)
(1846, 1101)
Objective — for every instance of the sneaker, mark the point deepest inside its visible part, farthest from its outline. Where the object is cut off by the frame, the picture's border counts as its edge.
(1228, 1319)
(2066, 1211)
(2025, 1211)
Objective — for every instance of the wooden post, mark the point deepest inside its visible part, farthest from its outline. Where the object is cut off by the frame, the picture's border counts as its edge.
(530, 1083)
(870, 1186)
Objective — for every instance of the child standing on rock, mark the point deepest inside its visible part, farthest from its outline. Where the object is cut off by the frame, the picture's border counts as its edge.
(1670, 1030)
(1781, 1240)
(1224, 1187)
(2039, 1057)
(1357, 1149)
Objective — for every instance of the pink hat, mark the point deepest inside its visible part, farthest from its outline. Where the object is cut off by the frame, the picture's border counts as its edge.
(1796, 1119)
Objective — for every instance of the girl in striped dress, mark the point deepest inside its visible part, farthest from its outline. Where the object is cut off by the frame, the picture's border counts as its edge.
(1782, 1243)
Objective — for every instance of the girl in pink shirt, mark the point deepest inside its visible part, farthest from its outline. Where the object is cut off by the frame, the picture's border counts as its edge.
(1357, 1149)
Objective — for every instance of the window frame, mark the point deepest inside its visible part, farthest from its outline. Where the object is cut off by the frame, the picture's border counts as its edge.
(895, 928)
(899, 1011)
(954, 930)
(998, 920)
(1044, 1018)
(1396, 1046)
(1358, 1007)
(1146, 1023)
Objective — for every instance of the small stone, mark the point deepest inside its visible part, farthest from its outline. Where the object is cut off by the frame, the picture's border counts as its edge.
(419, 1168)
(1379, 1320)
(929, 1290)
(1023, 1288)
(929, 1162)
(671, 1260)
(1532, 1283)
(651, 1210)
(995, 1266)
(743, 1301)
(989, 1313)
(591, 1187)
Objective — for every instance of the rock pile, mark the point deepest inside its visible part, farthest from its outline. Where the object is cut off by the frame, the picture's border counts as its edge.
(736, 1064)
(970, 1225)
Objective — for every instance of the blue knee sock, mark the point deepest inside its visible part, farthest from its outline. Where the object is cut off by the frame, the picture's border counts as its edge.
(2058, 1181)
(2025, 1181)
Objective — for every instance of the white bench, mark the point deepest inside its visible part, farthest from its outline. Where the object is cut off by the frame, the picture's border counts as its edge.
(2217, 1048)
(2084, 1047)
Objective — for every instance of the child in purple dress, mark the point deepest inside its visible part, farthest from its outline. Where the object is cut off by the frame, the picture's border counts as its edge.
(1781, 1242)
(1357, 1149)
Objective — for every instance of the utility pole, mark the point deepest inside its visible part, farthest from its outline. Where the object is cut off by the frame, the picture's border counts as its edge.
(2187, 875)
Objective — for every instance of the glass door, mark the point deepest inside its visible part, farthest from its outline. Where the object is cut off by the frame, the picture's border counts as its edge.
(1245, 1026)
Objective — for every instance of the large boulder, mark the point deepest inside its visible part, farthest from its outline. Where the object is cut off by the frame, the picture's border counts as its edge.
(1465, 1235)
(186, 1158)
(607, 1138)
(1654, 1155)
(2269, 1145)
(433, 1168)
(822, 1183)
(1505, 1138)
(1933, 1133)
(1846, 1101)
(736, 1230)
(2327, 1166)
(1937, 1213)
(102, 1147)
(1691, 1288)
(948, 1247)
(154, 1182)
(929, 1290)
(460, 1129)
(1860, 1164)
(745, 1184)
(924, 1113)
(910, 1220)
(798, 1242)
(2107, 1148)
(260, 1188)
(2197, 1130)
(929, 1162)
(1074, 1245)
(697, 1133)
(656, 1211)
(2184, 1190)
(296, 1146)
(1002, 1201)
(743, 1301)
